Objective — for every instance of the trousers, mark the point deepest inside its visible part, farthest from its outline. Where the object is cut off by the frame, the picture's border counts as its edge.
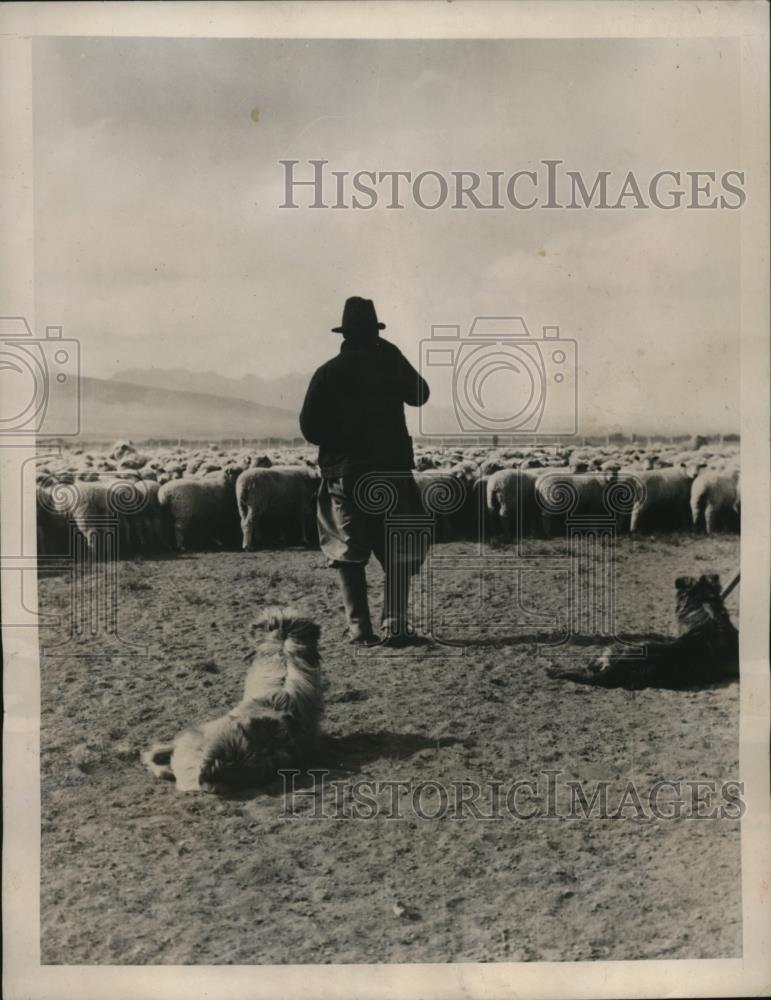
(355, 514)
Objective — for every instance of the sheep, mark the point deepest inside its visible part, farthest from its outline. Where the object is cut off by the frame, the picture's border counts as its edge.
(560, 495)
(464, 520)
(92, 505)
(490, 466)
(511, 503)
(203, 511)
(467, 469)
(53, 519)
(714, 501)
(451, 498)
(279, 499)
(665, 501)
(90, 511)
(133, 461)
(610, 494)
(88, 507)
(473, 467)
(146, 528)
(121, 449)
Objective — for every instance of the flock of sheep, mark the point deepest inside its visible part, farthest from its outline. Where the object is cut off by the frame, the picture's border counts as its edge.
(176, 499)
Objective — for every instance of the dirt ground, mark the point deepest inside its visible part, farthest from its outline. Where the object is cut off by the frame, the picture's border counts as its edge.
(134, 872)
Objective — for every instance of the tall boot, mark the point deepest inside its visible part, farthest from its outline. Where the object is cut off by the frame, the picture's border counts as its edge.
(353, 583)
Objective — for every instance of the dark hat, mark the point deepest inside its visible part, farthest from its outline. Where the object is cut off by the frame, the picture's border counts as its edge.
(359, 316)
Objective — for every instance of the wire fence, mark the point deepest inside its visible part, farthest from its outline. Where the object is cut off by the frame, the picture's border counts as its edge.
(444, 443)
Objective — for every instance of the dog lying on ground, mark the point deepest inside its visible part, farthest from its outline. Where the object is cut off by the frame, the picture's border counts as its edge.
(705, 651)
(274, 726)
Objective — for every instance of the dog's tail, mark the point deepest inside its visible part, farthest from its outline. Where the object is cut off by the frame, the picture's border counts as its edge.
(297, 688)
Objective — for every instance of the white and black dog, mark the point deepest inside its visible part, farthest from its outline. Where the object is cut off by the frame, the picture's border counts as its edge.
(274, 726)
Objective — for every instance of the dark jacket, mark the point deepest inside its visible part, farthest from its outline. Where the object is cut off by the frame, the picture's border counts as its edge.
(354, 408)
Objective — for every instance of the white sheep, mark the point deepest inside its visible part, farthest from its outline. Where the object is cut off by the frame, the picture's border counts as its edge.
(276, 502)
(665, 502)
(715, 500)
(203, 511)
(511, 503)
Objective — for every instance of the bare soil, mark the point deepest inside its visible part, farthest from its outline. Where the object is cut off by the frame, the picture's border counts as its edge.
(134, 872)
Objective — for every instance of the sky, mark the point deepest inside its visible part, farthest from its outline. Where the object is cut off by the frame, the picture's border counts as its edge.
(160, 242)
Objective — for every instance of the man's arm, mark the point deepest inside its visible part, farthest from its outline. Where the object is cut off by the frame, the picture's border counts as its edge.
(326, 418)
(314, 416)
(413, 388)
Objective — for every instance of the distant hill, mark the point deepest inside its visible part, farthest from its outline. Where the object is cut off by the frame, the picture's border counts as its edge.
(278, 402)
(287, 392)
(113, 409)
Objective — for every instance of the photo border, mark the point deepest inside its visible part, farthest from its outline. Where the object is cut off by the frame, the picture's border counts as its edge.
(23, 975)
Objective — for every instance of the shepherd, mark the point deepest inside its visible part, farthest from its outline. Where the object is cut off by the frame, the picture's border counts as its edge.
(354, 412)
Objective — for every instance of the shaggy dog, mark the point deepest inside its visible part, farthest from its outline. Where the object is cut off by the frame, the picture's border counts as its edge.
(705, 651)
(274, 726)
